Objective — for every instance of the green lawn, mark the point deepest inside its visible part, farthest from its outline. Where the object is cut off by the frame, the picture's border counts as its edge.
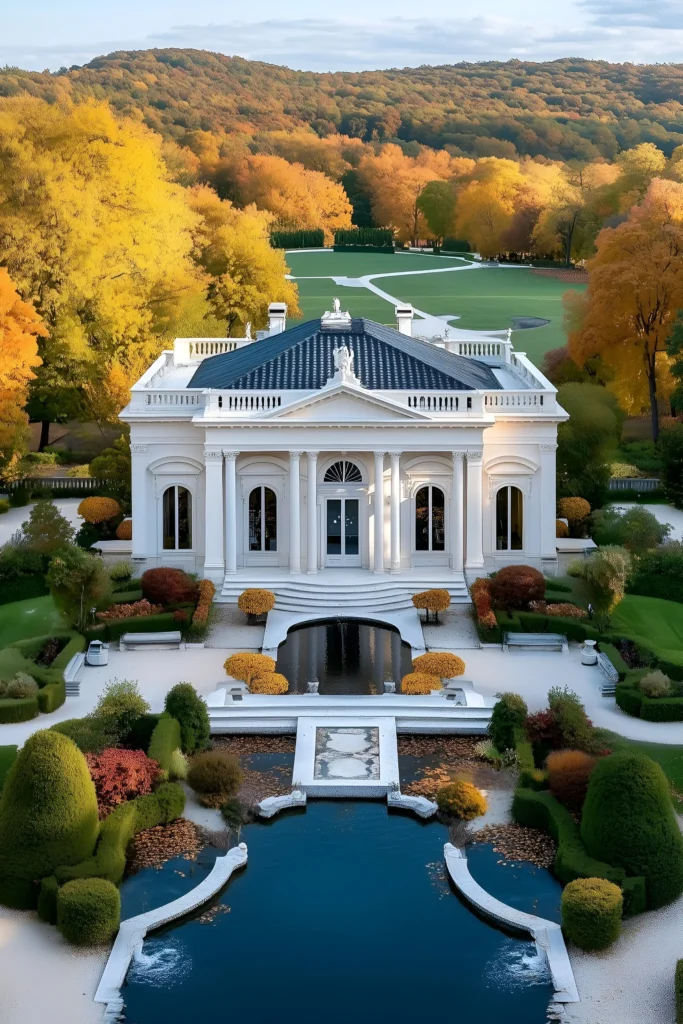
(656, 623)
(668, 755)
(23, 619)
(358, 264)
(316, 296)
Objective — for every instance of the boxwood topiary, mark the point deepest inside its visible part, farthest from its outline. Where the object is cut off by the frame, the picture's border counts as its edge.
(185, 705)
(591, 913)
(509, 714)
(20, 710)
(48, 815)
(628, 820)
(88, 911)
(47, 899)
(165, 741)
(461, 799)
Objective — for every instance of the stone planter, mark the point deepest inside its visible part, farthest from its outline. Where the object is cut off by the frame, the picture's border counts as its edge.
(588, 653)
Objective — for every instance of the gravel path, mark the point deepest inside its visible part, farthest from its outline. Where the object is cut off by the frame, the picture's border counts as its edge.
(455, 630)
(229, 630)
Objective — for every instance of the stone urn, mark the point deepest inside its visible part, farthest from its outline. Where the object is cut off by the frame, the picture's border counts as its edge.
(588, 653)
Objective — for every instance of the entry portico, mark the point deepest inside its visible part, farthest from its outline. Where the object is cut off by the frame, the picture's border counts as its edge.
(342, 443)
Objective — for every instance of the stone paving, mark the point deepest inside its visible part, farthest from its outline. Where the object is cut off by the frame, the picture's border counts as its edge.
(455, 630)
(229, 630)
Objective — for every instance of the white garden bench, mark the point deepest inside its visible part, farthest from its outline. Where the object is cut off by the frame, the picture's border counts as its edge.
(130, 641)
(71, 680)
(542, 641)
(609, 687)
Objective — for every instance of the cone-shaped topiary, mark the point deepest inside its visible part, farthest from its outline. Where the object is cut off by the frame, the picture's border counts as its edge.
(439, 663)
(189, 709)
(628, 821)
(48, 815)
(591, 912)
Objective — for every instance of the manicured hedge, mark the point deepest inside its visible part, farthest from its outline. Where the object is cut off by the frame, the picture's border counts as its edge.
(22, 709)
(540, 810)
(678, 985)
(140, 624)
(382, 238)
(165, 740)
(310, 238)
(610, 651)
(591, 913)
(88, 911)
(126, 596)
(109, 861)
(19, 657)
(651, 709)
(51, 697)
(189, 709)
(573, 629)
(22, 588)
(47, 899)
(8, 756)
(140, 733)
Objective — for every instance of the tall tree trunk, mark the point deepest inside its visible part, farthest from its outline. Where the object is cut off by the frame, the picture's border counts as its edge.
(44, 435)
(652, 385)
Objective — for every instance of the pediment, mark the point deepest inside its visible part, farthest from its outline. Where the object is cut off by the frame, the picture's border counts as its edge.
(346, 405)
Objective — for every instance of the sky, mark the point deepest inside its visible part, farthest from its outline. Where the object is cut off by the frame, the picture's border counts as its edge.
(353, 36)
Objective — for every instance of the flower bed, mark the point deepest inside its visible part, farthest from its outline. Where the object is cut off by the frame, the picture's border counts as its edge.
(129, 611)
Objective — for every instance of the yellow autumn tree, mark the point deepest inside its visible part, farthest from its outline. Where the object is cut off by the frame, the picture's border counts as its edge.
(96, 236)
(635, 288)
(395, 183)
(20, 328)
(244, 272)
(571, 214)
(297, 197)
(487, 203)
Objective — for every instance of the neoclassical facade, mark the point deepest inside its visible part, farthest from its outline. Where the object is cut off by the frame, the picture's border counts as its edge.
(342, 443)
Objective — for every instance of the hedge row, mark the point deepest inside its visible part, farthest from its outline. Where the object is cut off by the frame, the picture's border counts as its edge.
(8, 756)
(109, 860)
(382, 238)
(126, 596)
(538, 809)
(610, 652)
(160, 623)
(165, 740)
(651, 709)
(22, 588)
(22, 709)
(313, 238)
(536, 622)
(18, 657)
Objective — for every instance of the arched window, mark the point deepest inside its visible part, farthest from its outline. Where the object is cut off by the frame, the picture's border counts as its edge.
(262, 520)
(343, 472)
(177, 519)
(429, 519)
(509, 519)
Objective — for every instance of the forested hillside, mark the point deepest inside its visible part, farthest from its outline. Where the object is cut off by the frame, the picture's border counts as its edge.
(565, 109)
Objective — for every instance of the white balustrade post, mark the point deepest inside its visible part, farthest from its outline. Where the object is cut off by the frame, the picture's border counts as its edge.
(214, 564)
(294, 513)
(312, 523)
(548, 502)
(395, 512)
(379, 512)
(138, 453)
(230, 512)
(475, 511)
(457, 513)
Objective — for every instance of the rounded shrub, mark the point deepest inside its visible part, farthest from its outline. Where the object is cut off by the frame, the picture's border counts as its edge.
(561, 528)
(99, 510)
(168, 586)
(569, 773)
(270, 683)
(256, 602)
(246, 666)
(21, 685)
(439, 663)
(432, 601)
(48, 815)
(215, 777)
(420, 683)
(509, 713)
(591, 913)
(88, 911)
(514, 586)
(575, 510)
(185, 705)
(628, 821)
(654, 685)
(177, 767)
(124, 531)
(461, 799)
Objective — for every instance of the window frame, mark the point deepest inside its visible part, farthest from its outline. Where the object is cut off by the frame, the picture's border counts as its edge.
(262, 549)
(507, 489)
(175, 489)
(430, 549)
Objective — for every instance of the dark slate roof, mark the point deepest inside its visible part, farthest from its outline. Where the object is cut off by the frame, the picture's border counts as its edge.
(301, 359)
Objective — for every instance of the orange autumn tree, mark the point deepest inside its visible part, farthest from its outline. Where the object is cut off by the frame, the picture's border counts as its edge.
(634, 290)
(20, 327)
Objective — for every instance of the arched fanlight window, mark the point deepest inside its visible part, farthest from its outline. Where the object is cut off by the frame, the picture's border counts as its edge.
(343, 472)
(429, 519)
(509, 519)
(177, 524)
(262, 520)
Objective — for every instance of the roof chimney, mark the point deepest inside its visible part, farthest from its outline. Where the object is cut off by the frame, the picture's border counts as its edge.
(277, 317)
(404, 319)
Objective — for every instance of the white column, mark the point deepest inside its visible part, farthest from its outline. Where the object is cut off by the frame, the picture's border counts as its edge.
(395, 512)
(457, 513)
(379, 511)
(230, 513)
(548, 503)
(214, 564)
(475, 511)
(312, 514)
(141, 547)
(294, 513)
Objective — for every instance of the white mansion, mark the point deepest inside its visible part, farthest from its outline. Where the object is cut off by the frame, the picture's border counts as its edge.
(343, 443)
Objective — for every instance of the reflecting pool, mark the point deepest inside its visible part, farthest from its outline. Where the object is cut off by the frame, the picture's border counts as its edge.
(343, 914)
(346, 656)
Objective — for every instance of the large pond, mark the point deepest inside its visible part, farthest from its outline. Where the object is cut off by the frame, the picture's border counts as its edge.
(343, 913)
(346, 656)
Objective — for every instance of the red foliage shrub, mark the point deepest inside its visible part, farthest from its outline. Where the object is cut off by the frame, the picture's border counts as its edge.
(544, 728)
(169, 586)
(206, 593)
(128, 611)
(569, 772)
(120, 775)
(180, 616)
(481, 598)
(515, 586)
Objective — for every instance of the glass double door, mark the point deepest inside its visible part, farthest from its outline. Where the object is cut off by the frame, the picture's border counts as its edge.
(342, 537)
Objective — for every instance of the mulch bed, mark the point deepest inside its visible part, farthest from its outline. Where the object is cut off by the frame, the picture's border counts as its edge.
(154, 846)
(450, 746)
(568, 276)
(517, 843)
(257, 785)
(456, 755)
(255, 744)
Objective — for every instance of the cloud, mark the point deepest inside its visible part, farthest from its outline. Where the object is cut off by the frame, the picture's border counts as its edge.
(337, 45)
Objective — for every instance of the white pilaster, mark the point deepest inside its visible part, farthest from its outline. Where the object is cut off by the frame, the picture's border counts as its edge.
(294, 513)
(475, 510)
(457, 513)
(214, 564)
(548, 502)
(230, 512)
(141, 547)
(312, 514)
(379, 512)
(395, 512)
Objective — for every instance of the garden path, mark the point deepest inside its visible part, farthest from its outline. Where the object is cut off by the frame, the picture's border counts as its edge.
(11, 521)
